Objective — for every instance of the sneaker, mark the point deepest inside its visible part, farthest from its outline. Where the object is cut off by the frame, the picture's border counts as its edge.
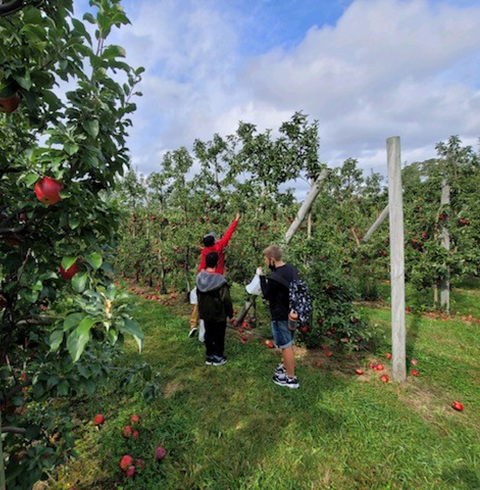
(218, 361)
(192, 332)
(286, 381)
(209, 360)
(280, 369)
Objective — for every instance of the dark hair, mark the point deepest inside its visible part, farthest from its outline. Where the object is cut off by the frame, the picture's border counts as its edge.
(211, 260)
(209, 241)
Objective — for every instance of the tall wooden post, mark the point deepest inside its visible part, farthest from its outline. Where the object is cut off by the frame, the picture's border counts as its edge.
(445, 284)
(397, 258)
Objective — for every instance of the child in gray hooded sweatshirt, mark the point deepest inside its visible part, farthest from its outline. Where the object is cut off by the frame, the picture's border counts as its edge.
(214, 306)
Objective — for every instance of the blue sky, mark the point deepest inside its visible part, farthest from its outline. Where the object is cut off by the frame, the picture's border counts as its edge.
(366, 69)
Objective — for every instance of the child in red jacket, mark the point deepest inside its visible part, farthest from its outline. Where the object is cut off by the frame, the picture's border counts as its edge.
(212, 245)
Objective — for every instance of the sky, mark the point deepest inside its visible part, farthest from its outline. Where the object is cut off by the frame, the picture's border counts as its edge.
(365, 69)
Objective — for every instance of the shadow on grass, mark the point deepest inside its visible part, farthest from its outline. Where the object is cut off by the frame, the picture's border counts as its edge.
(463, 475)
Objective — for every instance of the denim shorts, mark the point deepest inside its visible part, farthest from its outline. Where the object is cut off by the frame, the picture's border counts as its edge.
(282, 335)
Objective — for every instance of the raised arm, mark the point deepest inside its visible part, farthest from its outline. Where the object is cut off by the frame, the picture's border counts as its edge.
(223, 242)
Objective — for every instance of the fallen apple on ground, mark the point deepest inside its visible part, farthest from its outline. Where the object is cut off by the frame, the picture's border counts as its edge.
(126, 462)
(385, 378)
(99, 419)
(379, 367)
(160, 453)
(140, 464)
(414, 362)
(415, 372)
(130, 473)
(329, 353)
(359, 371)
(244, 340)
(240, 330)
(135, 434)
(457, 406)
(135, 419)
(127, 431)
(388, 355)
(269, 344)
(318, 364)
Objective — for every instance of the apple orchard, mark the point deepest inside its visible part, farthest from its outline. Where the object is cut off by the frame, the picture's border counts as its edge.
(79, 227)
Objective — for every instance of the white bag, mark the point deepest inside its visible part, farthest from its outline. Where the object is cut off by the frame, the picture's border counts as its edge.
(254, 286)
(201, 331)
(193, 296)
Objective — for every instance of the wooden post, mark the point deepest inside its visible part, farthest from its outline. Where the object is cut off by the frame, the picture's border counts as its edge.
(306, 206)
(397, 259)
(378, 222)
(309, 221)
(445, 234)
(2, 467)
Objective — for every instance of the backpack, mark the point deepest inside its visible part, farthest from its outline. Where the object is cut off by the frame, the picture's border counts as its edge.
(300, 301)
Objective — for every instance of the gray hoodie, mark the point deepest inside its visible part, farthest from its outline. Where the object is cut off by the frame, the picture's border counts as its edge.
(207, 281)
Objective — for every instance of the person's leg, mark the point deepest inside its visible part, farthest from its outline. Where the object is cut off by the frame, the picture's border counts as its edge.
(209, 339)
(289, 361)
(220, 338)
(194, 317)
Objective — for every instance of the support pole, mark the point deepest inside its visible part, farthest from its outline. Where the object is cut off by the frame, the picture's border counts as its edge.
(445, 234)
(381, 218)
(397, 258)
(306, 206)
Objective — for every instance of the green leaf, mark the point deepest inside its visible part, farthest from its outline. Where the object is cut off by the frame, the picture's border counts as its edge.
(24, 80)
(73, 222)
(72, 321)
(112, 336)
(94, 259)
(56, 339)
(63, 388)
(92, 127)
(79, 338)
(79, 281)
(111, 292)
(67, 262)
(71, 148)
(30, 179)
(133, 328)
(89, 18)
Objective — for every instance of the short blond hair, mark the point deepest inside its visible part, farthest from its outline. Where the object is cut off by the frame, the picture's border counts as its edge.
(273, 252)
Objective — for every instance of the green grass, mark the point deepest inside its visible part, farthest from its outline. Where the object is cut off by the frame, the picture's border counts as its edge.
(232, 428)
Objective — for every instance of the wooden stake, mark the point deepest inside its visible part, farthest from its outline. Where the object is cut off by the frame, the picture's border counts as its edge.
(306, 206)
(445, 234)
(397, 259)
(378, 222)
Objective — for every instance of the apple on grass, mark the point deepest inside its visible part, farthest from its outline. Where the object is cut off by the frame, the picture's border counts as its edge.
(130, 473)
(160, 453)
(388, 355)
(99, 419)
(456, 405)
(136, 434)
(415, 372)
(269, 344)
(329, 353)
(244, 340)
(127, 431)
(318, 364)
(135, 419)
(359, 371)
(379, 367)
(48, 190)
(140, 464)
(126, 462)
(385, 378)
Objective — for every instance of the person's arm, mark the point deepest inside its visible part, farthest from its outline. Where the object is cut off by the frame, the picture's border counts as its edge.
(223, 242)
(203, 263)
(227, 301)
(269, 287)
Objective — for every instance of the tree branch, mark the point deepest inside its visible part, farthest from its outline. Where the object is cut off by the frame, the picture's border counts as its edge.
(14, 430)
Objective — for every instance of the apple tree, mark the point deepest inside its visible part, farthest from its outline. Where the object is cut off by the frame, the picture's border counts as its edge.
(62, 321)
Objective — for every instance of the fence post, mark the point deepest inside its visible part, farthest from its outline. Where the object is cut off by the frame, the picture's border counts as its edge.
(397, 258)
(445, 284)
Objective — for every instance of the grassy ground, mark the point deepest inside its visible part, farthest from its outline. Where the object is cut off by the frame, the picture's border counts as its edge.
(232, 428)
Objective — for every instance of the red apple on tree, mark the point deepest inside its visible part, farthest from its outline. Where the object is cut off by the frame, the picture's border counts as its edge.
(70, 272)
(48, 191)
(9, 104)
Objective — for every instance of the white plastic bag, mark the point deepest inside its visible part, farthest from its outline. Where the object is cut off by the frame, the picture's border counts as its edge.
(201, 331)
(193, 296)
(254, 286)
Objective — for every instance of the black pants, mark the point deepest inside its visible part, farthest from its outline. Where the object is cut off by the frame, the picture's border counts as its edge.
(215, 338)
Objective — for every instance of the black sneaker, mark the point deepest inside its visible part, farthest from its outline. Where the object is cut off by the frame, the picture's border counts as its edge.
(192, 332)
(286, 381)
(209, 360)
(218, 361)
(280, 369)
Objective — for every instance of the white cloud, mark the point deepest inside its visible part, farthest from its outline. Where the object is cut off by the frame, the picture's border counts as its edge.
(388, 67)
